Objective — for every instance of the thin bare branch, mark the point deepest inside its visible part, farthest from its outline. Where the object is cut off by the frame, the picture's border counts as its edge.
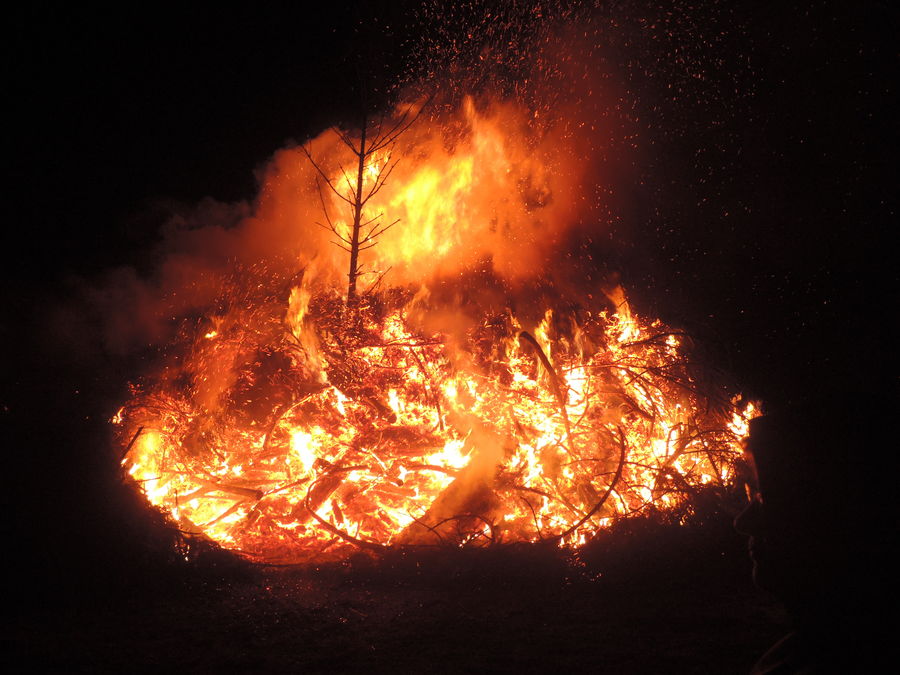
(331, 225)
(380, 180)
(376, 283)
(371, 220)
(404, 123)
(328, 227)
(382, 140)
(346, 140)
(335, 232)
(351, 202)
(324, 175)
(378, 231)
(379, 125)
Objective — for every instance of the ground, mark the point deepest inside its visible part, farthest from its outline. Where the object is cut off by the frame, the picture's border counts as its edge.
(622, 608)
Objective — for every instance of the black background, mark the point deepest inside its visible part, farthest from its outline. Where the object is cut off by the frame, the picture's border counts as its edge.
(773, 243)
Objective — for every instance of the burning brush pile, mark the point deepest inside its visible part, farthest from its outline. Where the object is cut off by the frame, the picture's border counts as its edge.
(445, 397)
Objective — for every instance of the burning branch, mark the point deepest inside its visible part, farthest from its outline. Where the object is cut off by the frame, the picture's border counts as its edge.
(612, 484)
(554, 380)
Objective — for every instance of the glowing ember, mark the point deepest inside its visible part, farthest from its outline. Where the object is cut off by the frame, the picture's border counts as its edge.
(296, 428)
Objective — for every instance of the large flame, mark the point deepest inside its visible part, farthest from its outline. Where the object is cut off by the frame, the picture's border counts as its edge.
(490, 183)
(288, 427)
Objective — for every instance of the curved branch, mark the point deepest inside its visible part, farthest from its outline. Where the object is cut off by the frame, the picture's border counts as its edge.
(624, 448)
(322, 173)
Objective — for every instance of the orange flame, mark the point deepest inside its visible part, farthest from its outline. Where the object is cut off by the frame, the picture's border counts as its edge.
(466, 189)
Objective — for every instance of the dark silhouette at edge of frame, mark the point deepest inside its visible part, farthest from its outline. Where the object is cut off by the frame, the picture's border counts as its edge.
(821, 526)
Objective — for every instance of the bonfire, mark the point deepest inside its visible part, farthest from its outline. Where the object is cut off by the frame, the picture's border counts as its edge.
(452, 395)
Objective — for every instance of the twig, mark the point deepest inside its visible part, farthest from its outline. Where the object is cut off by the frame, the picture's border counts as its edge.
(377, 282)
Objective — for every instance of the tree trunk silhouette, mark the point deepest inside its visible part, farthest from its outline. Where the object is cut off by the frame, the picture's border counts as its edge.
(374, 150)
(357, 218)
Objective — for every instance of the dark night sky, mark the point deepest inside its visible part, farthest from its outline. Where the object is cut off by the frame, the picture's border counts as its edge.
(768, 235)
(120, 109)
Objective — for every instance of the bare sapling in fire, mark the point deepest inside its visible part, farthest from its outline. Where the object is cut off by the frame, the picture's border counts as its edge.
(374, 150)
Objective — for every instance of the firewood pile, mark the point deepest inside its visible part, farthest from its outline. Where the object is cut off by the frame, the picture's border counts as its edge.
(346, 429)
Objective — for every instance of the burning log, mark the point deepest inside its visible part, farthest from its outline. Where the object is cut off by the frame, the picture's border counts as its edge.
(471, 492)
